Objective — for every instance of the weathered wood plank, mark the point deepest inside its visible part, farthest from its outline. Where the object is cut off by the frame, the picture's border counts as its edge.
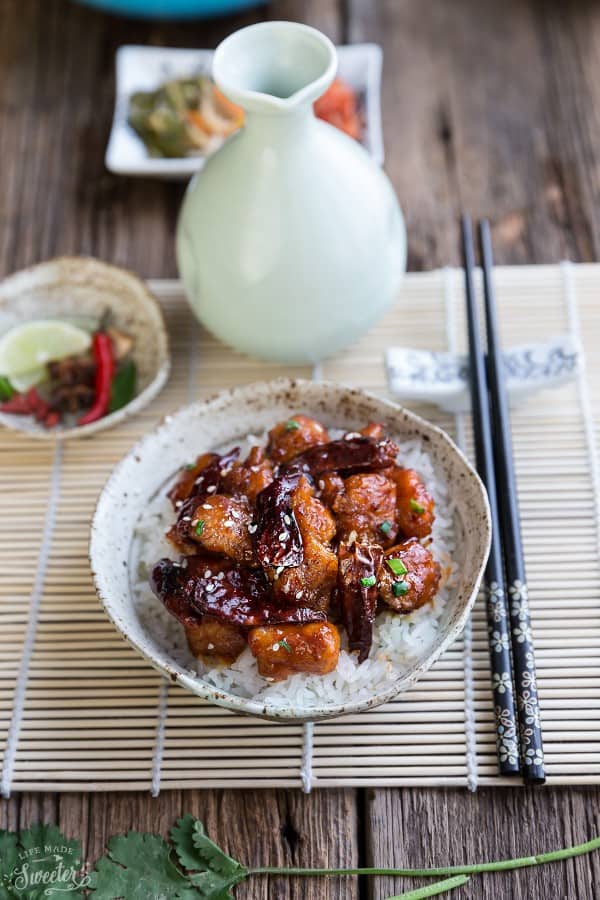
(434, 828)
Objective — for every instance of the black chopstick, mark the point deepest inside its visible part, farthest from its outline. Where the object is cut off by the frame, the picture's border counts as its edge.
(507, 747)
(528, 713)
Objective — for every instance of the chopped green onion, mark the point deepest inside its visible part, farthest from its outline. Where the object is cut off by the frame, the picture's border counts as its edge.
(397, 566)
(386, 526)
(190, 466)
(6, 389)
(283, 643)
(369, 581)
(292, 425)
(200, 527)
(416, 507)
(400, 588)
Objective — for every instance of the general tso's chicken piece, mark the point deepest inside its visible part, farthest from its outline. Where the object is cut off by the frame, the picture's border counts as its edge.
(215, 641)
(283, 650)
(312, 582)
(219, 524)
(288, 439)
(357, 593)
(367, 509)
(409, 576)
(312, 517)
(250, 477)
(373, 430)
(329, 487)
(414, 514)
(201, 477)
(275, 531)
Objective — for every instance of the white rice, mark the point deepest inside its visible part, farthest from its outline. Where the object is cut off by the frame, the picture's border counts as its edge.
(398, 640)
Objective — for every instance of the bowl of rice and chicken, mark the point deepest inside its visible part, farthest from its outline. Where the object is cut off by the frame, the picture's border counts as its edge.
(290, 549)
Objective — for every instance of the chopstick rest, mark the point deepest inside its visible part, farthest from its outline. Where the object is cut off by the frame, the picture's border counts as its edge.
(442, 378)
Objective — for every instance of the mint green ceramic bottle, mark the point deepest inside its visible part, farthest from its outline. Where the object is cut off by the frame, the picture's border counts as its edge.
(290, 241)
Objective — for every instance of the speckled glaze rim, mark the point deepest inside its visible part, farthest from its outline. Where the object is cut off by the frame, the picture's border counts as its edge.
(153, 310)
(220, 405)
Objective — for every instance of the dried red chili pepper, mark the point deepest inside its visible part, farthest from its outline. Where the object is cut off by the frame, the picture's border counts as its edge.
(105, 367)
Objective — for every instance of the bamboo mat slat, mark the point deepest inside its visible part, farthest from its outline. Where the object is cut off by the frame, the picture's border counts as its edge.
(79, 710)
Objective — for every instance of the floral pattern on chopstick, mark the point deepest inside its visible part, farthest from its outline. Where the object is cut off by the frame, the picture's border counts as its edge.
(530, 729)
(507, 746)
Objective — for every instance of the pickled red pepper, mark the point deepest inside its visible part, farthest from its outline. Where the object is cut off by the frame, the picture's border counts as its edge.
(105, 367)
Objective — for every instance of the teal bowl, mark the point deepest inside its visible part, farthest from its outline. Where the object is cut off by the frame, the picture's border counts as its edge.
(172, 9)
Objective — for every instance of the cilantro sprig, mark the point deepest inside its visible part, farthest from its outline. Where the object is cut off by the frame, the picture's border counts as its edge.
(191, 866)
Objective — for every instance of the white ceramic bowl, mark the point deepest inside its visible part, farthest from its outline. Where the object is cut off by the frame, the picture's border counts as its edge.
(72, 286)
(224, 420)
(140, 68)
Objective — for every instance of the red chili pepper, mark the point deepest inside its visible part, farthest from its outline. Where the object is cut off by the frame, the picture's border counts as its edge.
(105, 366)
(18, 404)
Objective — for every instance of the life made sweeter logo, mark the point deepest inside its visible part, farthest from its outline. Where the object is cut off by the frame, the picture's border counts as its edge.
(40, 862)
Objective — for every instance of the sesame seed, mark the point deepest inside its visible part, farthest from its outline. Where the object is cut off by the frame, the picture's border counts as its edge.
(186, 519)
(278, 571)
(252, 527)
(351, 435)
(306, 467)
(226, 471)
(178, 504)
(275, 647)
(299, 595)
(236, 514)
(208, 573)
(287, 519)
(321, 484)
(282, 537)
(210, 646)
(268, 678)
(211, 489)
(352, 537)
(221, 576)
(206, 506)
(286, 588)
(228, 523)
(210, 587)
(199, 480)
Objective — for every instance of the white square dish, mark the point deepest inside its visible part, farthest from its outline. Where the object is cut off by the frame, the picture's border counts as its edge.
(140, 68)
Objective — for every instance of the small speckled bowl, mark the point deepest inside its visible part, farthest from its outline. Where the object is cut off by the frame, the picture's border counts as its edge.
(223, 421)
(80, 286)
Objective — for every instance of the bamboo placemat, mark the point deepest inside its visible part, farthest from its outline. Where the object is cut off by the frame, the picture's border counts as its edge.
(79, 710)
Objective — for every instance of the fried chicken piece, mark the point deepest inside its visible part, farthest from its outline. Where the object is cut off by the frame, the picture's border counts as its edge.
(202, 477)
(367, 507)
(219, 524)
(409, 576)
(215, 641)
(288, 439)
(312, 582)
(250, 477)
(282, 650)
(414, 515)
(373, 430)
(330, 486)
(357, 593)
(312, 516)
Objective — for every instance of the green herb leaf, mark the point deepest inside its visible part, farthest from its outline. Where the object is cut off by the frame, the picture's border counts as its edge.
(200, 527)
(292, 425)
(215, 871)
(400, 588)
(6, 389)
(283, 643)
(139, 867)
(123, 386)
(416, 507)
(369, 581)
(432, 890)
(34, 859)
(386, 527)
(397, 566)
(190, 466)
(212, 855)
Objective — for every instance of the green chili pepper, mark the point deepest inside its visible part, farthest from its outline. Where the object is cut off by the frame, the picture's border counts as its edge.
(123, 386)
(6, 389)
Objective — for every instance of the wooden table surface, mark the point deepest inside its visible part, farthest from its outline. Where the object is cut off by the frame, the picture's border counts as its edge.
(488, 107)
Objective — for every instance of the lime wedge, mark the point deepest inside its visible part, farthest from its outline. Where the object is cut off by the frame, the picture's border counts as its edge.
(29, 347)
(22, 383)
